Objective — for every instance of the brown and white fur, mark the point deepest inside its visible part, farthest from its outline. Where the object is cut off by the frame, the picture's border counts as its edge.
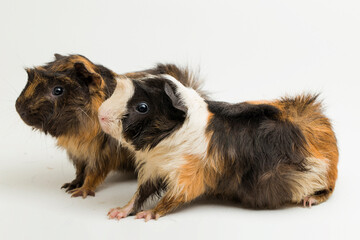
(263, 155)
(62, 97)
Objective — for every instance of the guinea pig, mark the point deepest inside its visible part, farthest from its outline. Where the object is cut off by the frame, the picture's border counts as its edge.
(61, 98)
(264, 155)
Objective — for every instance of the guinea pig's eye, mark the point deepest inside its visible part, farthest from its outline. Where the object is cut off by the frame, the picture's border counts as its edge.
(57, 91)
(142, 108)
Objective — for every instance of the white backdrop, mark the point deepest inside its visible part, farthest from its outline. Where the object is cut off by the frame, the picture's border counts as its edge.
(246, 50)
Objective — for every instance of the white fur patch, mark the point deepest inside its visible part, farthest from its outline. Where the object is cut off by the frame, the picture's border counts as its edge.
(304, 184)
(114, 107)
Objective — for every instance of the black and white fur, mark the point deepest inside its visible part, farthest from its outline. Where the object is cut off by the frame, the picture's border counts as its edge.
(259, 154)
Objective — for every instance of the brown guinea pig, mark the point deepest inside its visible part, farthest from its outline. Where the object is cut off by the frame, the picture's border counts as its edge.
(61, 98)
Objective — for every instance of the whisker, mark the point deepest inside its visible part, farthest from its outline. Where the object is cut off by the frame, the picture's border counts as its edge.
(14, 90)
(92, 120)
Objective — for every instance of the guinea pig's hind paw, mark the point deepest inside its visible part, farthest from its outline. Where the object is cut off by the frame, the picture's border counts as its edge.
(147, 215)
(82, 192)
(309, 201)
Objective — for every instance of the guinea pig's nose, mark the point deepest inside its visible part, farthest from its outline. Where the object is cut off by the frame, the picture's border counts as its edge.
(104, 116)
(103, 119)
(23, 113)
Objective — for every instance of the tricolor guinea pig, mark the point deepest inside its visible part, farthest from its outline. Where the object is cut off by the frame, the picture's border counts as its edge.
(61, 98)
(263, 155)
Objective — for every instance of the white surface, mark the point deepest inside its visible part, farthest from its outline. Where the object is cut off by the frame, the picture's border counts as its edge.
(247, 50)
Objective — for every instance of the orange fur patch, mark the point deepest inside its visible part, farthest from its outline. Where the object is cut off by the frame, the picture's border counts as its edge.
(320, 138)
(257, 102)
(82, 143)
(30, 90)
(135, 75)
(60, 66)
(194, 178)
(191, 178)
(210, 116)
(168, 204)
(96, 103)
(92, 180)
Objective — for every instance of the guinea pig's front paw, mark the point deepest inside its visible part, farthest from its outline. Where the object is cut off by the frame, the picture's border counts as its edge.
(147, 215)
(72, 185)
(82, 192)
(119, 213)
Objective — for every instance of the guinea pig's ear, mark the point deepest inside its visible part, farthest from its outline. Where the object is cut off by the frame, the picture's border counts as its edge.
(175, 100)
(58, 56)
(87, 74)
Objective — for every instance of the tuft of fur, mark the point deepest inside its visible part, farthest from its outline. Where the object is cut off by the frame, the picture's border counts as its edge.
(182, 74)
(260, 154)
(72, 116)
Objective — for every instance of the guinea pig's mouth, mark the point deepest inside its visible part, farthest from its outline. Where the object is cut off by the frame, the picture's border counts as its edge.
(40, 128)
(125, 116)
(33, 121)
(31, 117)
(38, 125)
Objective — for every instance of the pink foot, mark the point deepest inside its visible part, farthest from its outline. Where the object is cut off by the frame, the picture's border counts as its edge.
(147, 215)
(309, 201)
(118, 213)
